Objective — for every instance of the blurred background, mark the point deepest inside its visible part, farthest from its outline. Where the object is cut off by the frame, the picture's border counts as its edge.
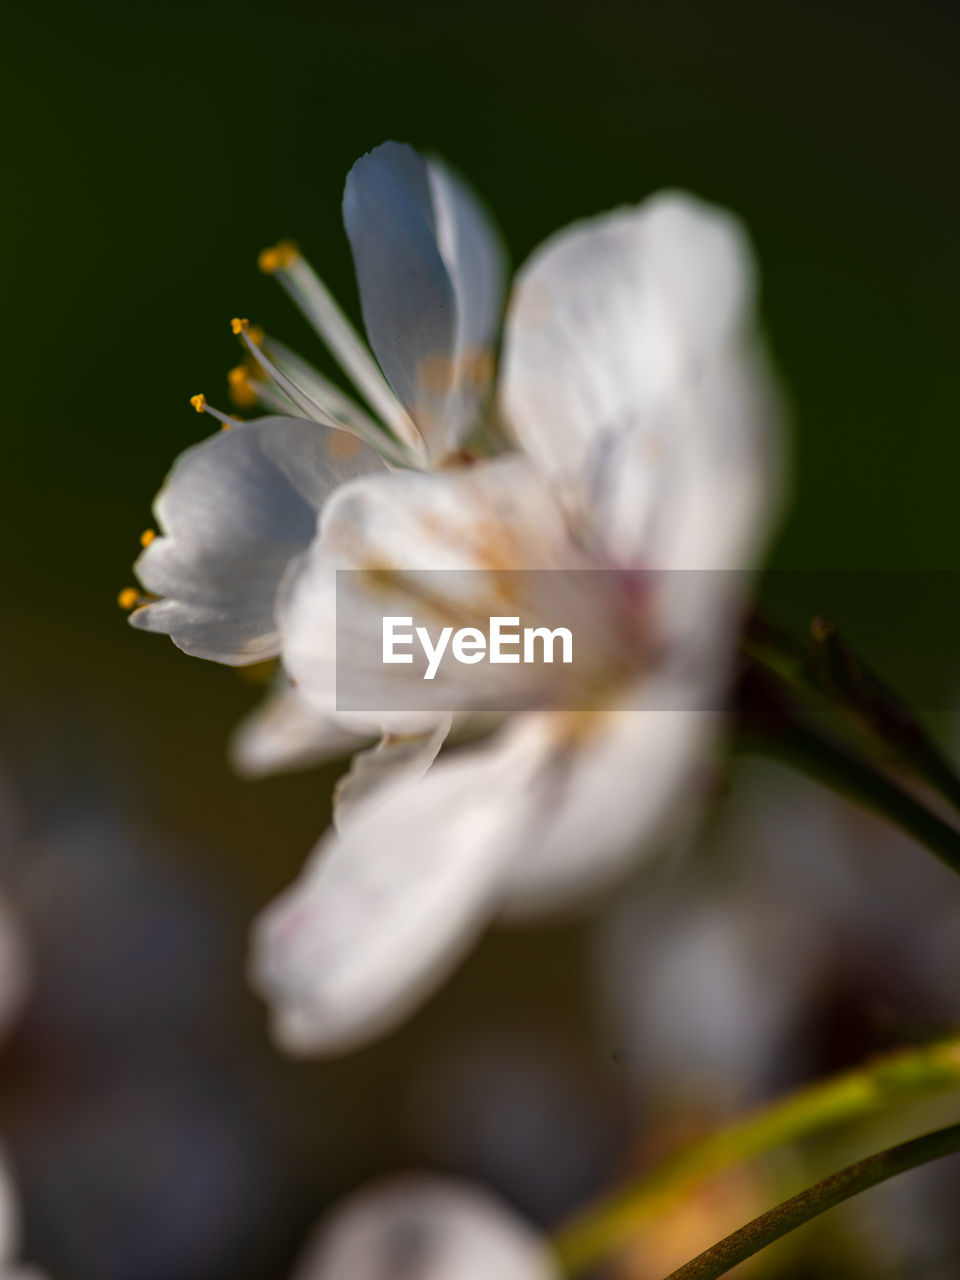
(150, 152)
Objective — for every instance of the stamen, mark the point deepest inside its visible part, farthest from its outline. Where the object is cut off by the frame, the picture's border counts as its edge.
(132, 598)
(305, 403)
(199, 402)
(242, 391)
(147, 537)
(239, 326)
(334, 401)
(314, 299)
(278, 256)
(268, 397)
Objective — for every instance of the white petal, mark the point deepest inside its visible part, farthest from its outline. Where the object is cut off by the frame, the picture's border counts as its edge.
(620, 341)
(234, 512)
(472, 250)
(420, 1228)
(394, 761)
(380, 915)
(610, 790)
(483, 519)
(286, 732)
(430, 273)
(473, 253)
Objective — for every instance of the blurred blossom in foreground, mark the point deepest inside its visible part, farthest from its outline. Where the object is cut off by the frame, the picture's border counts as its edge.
(636, 425)
(419, 1228)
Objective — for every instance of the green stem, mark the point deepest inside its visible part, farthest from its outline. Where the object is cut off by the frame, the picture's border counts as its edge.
(786, 1217)
(607, 1226)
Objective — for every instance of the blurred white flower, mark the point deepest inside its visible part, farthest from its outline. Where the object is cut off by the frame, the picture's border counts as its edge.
(634, 385)
(766, 955)
(420, 1228)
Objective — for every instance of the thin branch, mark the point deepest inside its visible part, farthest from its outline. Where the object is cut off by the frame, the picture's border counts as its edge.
(841, 1099)
(786, 1217)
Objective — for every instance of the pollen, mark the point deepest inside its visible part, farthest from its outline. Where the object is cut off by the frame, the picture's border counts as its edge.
(278, 256)
(242, 392)
(147, 537)
(201, 406)
(239, 326)
(128, 598)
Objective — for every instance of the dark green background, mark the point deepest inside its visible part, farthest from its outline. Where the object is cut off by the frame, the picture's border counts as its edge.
(150, 152)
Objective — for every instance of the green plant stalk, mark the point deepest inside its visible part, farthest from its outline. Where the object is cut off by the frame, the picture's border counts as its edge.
(809, 1204)
(864, 1091)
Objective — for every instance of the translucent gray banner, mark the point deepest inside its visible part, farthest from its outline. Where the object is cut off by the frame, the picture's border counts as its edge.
(495, 641)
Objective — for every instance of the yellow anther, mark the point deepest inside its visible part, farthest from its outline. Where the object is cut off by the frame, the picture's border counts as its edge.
(278, 256)
(147, 537)
(128, 597)
(199, 402)
(256, 335)
(239, 326)
(241, 387)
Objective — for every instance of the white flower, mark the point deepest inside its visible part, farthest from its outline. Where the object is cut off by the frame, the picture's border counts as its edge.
(238, 509)
(420, 1228)
(634, 385)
